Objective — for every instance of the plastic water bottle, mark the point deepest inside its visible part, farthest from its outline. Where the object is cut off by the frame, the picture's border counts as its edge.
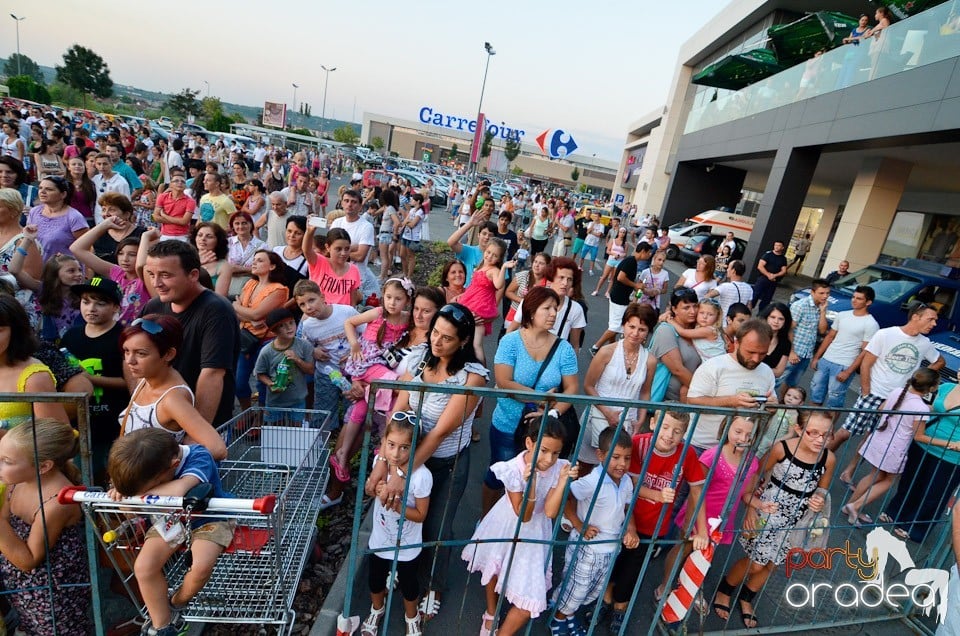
(282, 379)
(72, 360)
(337, 378)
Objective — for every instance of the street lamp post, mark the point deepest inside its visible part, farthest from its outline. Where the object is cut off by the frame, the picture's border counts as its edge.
(295, 87)
(18, 21)
(208, 87)
(483, 87)
(326, 80)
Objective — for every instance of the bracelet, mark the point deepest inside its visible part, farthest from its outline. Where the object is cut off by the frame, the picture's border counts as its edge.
(21, 251)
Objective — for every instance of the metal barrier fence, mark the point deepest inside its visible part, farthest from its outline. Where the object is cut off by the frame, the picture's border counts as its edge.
(848, 582)
(79, 404)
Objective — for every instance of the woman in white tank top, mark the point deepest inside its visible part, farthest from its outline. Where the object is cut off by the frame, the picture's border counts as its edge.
(161, 399)
(621, 370)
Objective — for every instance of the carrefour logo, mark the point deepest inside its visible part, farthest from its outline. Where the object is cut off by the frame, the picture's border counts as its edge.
(556, 143)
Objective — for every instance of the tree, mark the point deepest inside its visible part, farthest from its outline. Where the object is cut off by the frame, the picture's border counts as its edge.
(487, 144)
(26, 66)
(346, 135)
(516, 170)
(25, 87)
(511, 149)
(85, 71)
(64, 95)
(210, 107)
(453, 151)
(377, 143)
(575, 175)
(185, 103)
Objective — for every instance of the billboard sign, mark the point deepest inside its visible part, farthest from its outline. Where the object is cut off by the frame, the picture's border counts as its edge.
(275, 114)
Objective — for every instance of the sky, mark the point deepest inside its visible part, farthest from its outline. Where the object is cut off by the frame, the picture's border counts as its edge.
(588, 68)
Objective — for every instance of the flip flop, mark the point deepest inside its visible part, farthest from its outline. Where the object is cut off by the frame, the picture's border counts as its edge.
(339, 470)
(900, 533)
(327, 502)
(884, 518)
(864, 518)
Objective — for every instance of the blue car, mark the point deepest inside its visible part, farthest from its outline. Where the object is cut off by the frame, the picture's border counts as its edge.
(896, 289)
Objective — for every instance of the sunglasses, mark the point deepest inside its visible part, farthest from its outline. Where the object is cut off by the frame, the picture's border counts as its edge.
(452, 311)
(405, 416)
(684, 294)
(151, 327)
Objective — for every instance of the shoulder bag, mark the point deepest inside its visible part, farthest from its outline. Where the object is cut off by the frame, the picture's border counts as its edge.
(520, 432)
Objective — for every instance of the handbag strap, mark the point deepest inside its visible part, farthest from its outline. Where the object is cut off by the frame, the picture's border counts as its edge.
(563, 320)
(546, 361)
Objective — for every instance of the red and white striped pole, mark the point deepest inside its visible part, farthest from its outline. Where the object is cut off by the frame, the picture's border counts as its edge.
(691, 578)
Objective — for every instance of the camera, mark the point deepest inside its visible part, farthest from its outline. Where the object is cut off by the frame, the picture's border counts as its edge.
(760, 400)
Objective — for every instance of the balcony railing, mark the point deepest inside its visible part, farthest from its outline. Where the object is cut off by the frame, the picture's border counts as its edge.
(928, 37)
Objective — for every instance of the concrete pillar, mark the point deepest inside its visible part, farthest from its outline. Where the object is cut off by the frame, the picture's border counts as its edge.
(786, 190)
(869, 212)
(696, 187)
(819, 243)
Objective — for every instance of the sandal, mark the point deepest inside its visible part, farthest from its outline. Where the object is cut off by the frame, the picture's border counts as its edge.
(851, 514)
(341, 473)
(327, 502)
(484, 630)
(864, 518)
(727, 589)
(413, 626)
(902, 534)
(430, 606)
(746, 596)
(371, 626)
(884, 518)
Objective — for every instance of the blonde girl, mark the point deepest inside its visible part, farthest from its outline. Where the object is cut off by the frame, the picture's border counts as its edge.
(706, 336)
(35, 463)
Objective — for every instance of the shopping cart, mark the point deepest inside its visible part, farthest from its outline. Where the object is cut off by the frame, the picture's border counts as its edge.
(277, 469)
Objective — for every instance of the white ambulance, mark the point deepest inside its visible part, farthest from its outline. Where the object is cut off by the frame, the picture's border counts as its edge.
(709, 222)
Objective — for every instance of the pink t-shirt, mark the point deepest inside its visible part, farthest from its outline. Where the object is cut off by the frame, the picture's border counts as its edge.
(336, 289)
(177, 208)
(133, 292)
(718, 489)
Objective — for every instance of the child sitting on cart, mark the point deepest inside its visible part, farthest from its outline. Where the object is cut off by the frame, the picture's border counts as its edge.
(150, 461)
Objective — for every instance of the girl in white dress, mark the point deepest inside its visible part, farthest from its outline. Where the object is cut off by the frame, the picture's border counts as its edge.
(528, 578)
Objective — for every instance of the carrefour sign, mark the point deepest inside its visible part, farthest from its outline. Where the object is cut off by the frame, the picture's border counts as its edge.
(429, 116)
(554, 143)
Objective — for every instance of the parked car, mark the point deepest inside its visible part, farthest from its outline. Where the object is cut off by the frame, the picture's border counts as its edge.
(897, 289)
(706, 244)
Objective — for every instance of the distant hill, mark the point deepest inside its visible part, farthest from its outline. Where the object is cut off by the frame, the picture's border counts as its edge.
(153, 99)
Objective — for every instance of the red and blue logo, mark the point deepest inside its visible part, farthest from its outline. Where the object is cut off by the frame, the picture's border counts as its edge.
(556, 144)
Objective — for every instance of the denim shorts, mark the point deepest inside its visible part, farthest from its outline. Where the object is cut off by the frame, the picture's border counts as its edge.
(825, 388)
(501, 449)
(589, 252)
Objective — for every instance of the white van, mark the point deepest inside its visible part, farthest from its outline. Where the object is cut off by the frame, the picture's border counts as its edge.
(709, 222)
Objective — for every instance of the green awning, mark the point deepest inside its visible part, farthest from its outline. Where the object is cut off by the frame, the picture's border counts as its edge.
(903, 9)
(798, 41)
(736, 71)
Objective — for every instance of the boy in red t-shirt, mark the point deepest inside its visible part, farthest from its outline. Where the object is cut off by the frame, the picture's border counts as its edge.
(655, 492)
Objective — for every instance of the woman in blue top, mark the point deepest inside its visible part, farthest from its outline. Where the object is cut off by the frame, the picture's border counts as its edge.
(515, 367)
(932, 472)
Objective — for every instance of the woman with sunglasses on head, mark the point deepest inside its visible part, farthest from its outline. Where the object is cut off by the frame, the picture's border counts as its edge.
(58, 224)
(161, 398)
(699, 279)
(445, 422)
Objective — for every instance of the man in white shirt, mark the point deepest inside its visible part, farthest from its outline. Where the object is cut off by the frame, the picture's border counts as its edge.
(106, 180)
(361, 240)
(570, 320)
(729, 242)
(733, 290)
(734, 380)
(841, 351)
(889, 359)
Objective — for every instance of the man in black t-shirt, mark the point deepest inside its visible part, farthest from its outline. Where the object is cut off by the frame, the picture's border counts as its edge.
(508, 236)
(211, 331)
(622, 290)
(772, 267)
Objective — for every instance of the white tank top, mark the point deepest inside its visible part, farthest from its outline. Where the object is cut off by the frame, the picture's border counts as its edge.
(145, 415)
(615, 383)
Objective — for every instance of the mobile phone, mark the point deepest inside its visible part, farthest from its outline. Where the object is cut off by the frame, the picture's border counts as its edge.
(760, 399)
(317, 221)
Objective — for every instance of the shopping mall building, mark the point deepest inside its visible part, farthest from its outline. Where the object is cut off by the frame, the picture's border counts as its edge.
(858, 146)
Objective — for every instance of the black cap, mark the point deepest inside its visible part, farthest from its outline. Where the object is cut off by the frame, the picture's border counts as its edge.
(277, 316)
(101, 286)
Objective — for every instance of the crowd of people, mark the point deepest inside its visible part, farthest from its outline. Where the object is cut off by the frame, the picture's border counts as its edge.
(173, 282)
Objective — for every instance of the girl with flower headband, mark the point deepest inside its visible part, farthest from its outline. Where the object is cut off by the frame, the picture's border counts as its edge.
(370, 359)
